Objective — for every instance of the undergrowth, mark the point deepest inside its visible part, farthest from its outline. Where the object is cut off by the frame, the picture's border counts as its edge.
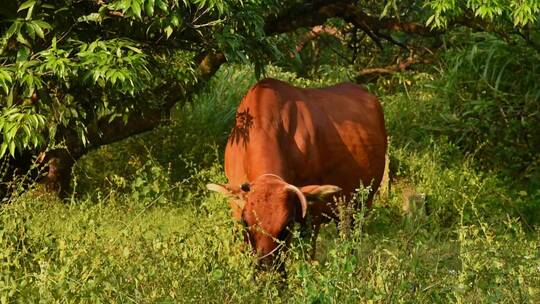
(141, 227)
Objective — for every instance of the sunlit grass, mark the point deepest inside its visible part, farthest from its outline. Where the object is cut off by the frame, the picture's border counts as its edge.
(143, 229)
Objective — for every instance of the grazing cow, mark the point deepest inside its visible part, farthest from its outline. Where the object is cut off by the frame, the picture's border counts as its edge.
(291, 150)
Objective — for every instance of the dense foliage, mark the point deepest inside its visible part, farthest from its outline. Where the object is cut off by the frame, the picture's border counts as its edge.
(140, 239)
(493, 92)
(458, 81)
(71, 65)
(77, 75)
(522, 15)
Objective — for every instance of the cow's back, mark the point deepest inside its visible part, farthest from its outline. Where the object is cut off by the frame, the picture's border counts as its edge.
(332, 135)
(351, 138)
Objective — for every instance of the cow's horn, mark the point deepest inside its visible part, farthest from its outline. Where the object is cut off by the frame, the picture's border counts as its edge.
(303, 201)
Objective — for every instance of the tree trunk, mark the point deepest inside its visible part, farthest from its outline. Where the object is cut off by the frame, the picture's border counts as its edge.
(57, 164)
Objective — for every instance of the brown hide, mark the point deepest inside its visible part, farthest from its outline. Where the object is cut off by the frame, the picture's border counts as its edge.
(325, 136)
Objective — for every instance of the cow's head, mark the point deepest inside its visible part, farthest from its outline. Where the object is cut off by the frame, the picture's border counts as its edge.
(269, 207)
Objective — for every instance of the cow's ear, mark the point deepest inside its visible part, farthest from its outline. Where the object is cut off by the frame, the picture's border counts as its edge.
(234, 194)
(224, 189)
(319, 192)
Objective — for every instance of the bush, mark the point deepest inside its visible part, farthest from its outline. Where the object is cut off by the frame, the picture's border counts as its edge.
(143, 229)
(493, 95)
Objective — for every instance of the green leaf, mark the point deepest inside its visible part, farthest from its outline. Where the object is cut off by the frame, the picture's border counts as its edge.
(136, 50)
(93, 17)
(149, 7)
(43, 24)
(10, 112)
(26, 130)
(121, 76)
(168, 31)
(22, 54)
(15, 27)
(82, 135)
(12, 148)
(27, 4)
(9, 98)
(3, 148)
(5, 83)
(136, 8)
(96, 76)
(162, 6)
(30, 30)
(34, 121)
(38, 30)
(175, 21)
(35, 140)
(113, 77)
(6, 75)
(22, 40)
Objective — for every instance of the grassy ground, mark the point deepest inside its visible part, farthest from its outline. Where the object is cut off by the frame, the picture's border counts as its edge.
(142, 229)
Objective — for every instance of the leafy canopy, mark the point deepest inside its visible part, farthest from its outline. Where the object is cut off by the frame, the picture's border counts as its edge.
(518, 13)
(71, 65)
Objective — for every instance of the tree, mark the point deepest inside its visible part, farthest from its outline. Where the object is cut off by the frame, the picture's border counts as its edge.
(77, 75)
(411, 26)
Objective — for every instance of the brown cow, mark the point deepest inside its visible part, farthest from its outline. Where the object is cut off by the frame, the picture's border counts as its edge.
(292, 149)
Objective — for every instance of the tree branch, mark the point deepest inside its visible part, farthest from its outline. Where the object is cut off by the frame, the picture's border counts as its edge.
(317, 12)
(58, 162)
(315, 33)
(370, 74)
(147, 119)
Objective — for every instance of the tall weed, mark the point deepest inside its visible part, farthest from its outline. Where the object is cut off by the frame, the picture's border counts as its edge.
(493, 95)
(146, 231)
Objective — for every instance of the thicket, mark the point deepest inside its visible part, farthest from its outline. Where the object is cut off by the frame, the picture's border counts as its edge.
(78, 75)
(141, 227)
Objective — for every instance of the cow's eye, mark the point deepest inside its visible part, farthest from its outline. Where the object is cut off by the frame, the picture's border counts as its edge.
(245, 187)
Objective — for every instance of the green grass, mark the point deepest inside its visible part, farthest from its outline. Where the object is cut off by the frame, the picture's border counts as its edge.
(142, 228)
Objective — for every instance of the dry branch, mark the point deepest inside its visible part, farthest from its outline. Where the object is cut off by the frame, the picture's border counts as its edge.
(317, 12)
(315, 33)
(104, 131)
(370, 74)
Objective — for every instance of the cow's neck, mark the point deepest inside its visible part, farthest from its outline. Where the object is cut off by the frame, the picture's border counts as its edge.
(267, 157)
(260, 167)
